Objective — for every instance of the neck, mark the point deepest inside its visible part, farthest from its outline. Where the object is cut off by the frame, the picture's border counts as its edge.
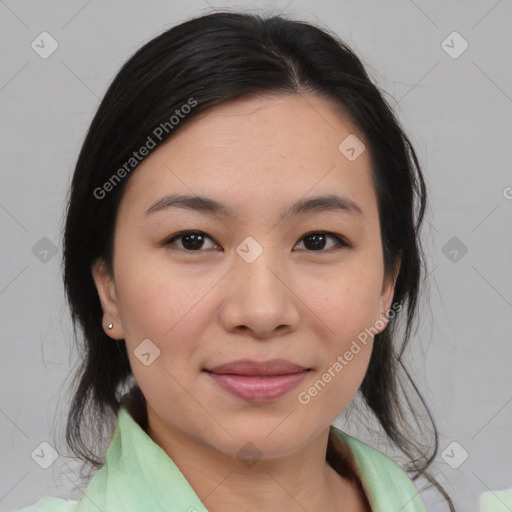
(303, 480)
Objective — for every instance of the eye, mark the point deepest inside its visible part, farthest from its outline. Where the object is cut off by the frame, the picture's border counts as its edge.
(317, 241)
(193, 241)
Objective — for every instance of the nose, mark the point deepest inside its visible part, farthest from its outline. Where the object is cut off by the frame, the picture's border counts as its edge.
(260, 299)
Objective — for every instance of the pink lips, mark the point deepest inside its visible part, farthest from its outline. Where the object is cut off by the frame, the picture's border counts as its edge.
(258, 381)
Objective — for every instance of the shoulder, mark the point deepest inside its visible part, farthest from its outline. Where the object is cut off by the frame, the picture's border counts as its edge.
(494, 501)
(50, 504)
(385, 482)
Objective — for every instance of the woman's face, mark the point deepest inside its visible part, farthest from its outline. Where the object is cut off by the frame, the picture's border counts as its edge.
(254, 284)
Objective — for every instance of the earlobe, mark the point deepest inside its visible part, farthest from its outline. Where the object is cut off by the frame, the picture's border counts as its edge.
(105, 286)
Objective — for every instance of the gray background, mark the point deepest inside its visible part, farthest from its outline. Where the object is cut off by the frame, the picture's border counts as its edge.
(457, 112)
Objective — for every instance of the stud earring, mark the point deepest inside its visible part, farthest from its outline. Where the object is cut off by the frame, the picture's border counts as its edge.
(110, 326)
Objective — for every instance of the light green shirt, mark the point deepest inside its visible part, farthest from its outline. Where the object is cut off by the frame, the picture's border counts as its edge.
(138, 476)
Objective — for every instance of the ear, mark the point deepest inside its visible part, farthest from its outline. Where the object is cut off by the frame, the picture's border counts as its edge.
(387, 292)
(105, 286)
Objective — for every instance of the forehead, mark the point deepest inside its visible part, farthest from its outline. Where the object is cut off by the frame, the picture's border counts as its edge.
(291, 126)
(258, 152)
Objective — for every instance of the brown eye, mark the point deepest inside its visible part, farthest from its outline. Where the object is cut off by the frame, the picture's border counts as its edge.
(191, 241)
(317, 241)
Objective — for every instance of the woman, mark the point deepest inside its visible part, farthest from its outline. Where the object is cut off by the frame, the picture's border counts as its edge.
(242, 237)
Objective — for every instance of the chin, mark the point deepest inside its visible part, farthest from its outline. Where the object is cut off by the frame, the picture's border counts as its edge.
(268, 438)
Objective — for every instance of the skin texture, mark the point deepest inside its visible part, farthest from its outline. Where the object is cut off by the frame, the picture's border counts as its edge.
(208, 307)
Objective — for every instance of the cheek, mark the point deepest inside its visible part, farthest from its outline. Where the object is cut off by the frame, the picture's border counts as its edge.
(347, 301)
(166, 307)
(160, 309)
(346, 304)
(347, 345)
(151, 301)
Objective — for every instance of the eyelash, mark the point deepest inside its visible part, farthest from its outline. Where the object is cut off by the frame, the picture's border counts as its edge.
(341, 242)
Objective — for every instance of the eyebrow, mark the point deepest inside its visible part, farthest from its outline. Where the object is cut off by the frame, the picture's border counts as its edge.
(206, 205)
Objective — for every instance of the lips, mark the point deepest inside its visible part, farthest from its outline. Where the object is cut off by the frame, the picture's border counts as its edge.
(256, 381)
(264, 368)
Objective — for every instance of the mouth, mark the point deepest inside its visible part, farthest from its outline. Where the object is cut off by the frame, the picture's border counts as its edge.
(255, 381)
